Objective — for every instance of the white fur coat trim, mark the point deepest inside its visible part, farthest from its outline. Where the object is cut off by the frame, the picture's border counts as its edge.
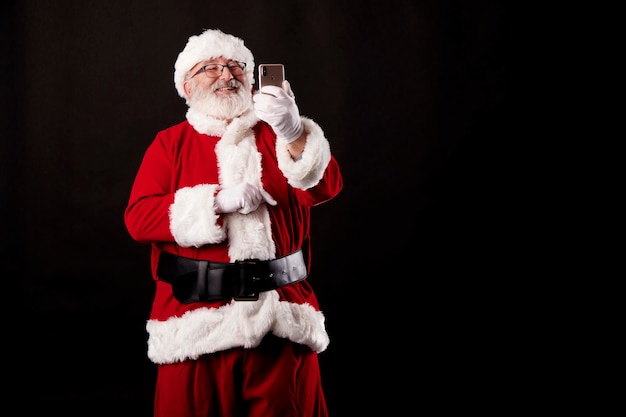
(249, 235)
(239, 323)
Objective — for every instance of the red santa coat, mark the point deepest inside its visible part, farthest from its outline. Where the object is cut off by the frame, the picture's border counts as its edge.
(171, 207)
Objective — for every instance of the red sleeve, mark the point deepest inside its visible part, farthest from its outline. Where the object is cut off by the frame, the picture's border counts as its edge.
(147, 213)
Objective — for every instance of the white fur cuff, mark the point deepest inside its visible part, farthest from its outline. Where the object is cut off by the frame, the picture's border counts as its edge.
(193, 221)
(308, 169)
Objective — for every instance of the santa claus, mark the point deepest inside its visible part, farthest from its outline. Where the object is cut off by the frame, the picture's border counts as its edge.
(224, 200)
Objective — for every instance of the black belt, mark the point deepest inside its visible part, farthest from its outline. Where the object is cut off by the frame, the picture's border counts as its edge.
(193, 280)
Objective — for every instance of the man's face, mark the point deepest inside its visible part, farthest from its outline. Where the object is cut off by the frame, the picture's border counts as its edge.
(215, 91)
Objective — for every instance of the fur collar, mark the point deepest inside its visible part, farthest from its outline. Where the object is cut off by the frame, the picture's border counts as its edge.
(217, 127)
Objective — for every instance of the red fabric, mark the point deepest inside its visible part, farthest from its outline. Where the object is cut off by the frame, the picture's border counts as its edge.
(278, 378)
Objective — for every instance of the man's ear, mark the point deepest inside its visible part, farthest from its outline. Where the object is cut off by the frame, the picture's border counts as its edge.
(187, 88)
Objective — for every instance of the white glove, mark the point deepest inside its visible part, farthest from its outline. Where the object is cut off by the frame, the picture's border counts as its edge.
(277, 106)
(244, 198)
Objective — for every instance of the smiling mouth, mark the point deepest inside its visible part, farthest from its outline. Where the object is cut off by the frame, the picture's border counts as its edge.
(227, 88)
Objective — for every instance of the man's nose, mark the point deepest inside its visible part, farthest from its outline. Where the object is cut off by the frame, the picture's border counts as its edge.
(226, 74)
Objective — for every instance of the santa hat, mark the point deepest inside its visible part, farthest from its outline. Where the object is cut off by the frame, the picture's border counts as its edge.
(212, 43)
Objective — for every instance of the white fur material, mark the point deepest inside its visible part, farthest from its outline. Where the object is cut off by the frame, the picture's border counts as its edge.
(308, 170)
(249, 235)
(207, 125)
(212, 43)
(239, 323)
(193, 221)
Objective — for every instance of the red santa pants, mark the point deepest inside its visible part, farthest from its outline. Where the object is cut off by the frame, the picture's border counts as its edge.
(278, 378)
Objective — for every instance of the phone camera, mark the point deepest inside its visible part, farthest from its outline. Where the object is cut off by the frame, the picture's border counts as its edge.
(264, 71)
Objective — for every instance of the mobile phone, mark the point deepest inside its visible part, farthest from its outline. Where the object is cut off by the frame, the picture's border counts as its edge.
(271, 74)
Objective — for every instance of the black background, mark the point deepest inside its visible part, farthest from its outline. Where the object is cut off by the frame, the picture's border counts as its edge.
(412, 96)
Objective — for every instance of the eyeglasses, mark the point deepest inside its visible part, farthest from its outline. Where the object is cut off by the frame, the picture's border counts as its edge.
(215, 70)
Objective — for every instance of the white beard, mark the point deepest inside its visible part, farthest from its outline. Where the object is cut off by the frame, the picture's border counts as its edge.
(223, 107)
